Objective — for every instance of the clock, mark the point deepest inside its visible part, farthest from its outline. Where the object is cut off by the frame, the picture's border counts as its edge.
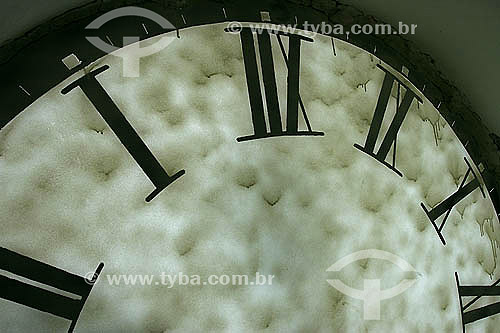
(319, 175)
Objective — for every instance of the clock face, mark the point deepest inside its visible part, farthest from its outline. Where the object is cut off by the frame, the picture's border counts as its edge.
(260, 154)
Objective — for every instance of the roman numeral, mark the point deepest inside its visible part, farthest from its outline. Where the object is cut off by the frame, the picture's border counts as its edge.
(477, 291)
(124, 131)
(39, 298)
(378, 116)
(447, 205)
(292, 61)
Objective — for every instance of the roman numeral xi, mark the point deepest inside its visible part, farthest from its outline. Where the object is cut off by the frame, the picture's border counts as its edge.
(40, 298)
(292, 61)
(123, 130)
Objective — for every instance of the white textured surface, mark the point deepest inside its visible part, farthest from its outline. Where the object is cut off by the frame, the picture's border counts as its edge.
(289, 206)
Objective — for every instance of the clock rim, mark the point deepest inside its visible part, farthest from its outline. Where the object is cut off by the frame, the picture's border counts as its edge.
(394, 50)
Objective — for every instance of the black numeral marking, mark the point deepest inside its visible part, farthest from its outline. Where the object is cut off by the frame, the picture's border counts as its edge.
(447, 205)
(42, 299)
(378, 116)
(477, 291)
(124, 131)
(292, 61)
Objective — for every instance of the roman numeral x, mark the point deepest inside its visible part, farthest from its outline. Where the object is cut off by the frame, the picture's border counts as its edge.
(477, 291)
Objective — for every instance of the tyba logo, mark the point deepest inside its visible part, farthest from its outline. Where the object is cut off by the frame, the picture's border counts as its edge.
(371, 295)
(134, 52)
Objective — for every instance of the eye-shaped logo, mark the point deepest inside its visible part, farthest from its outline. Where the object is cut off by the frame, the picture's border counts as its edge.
(131, 57)
(371, 295)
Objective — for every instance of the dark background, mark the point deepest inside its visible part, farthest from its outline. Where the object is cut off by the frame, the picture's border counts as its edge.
(461, 35)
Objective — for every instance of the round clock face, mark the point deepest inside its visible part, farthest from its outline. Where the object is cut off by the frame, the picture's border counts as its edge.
(312, 169)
